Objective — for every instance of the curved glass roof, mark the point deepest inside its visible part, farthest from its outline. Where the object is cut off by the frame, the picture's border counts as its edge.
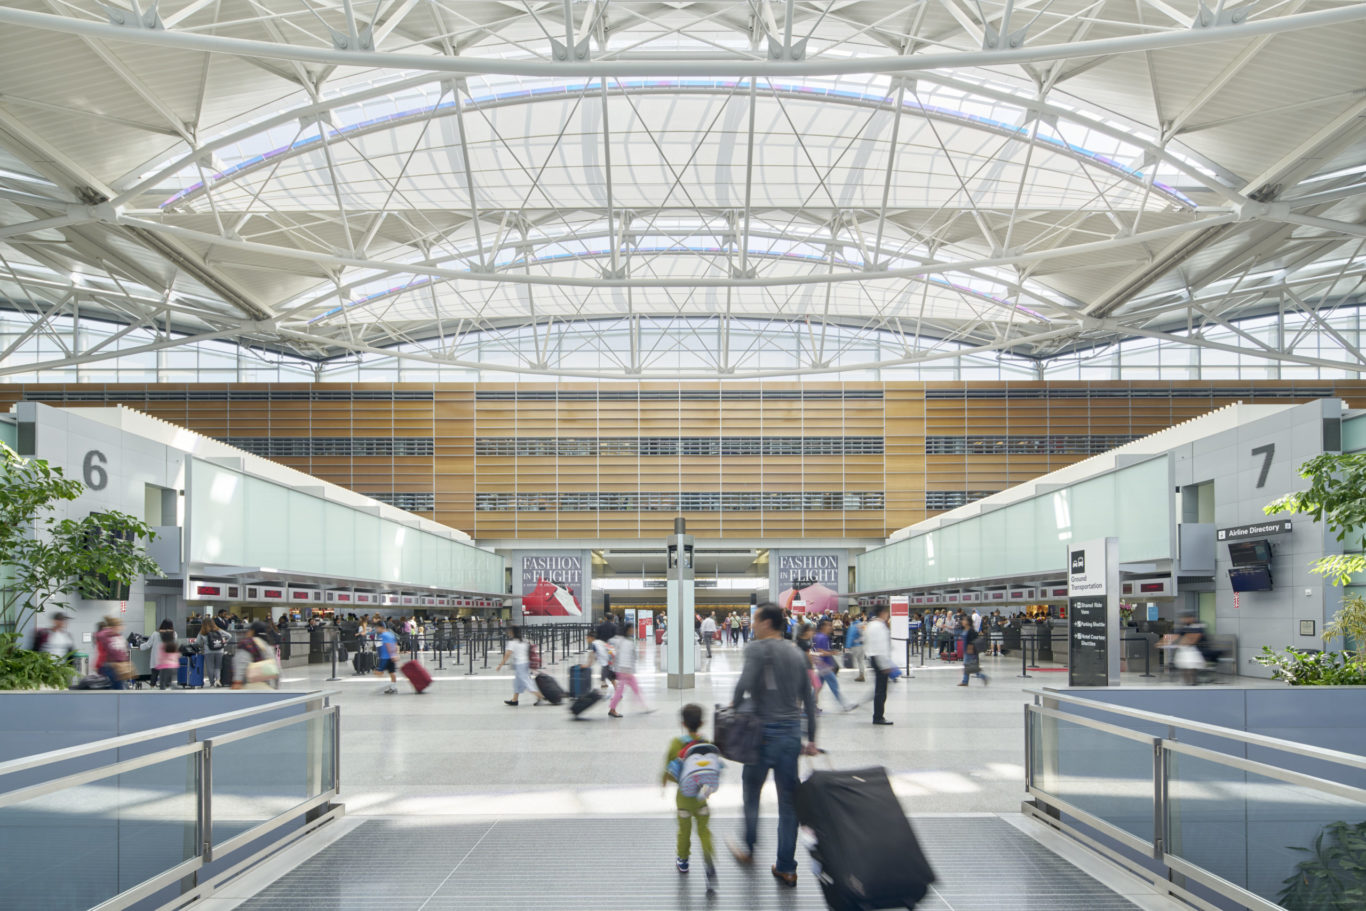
(239, 173)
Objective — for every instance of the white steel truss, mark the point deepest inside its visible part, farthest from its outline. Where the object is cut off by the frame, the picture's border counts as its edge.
(649, 188)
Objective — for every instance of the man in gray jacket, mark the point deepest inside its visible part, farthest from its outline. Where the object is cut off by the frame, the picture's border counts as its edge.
(775, 679)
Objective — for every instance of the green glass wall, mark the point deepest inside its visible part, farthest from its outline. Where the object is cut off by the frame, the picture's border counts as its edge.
(240, 520)
(1134, 504)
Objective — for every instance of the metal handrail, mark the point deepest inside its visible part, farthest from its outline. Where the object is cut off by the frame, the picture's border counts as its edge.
(1047, 805)
(1200, 727)
(314, 809)
(123, 740)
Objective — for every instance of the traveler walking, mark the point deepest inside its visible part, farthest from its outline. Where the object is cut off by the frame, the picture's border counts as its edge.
(607, 628)
(602, 657)
(212, 643)
(386, 657)
(853, 643)
(165, 654)
(695, 764)
(254, 665)
(624, 670)
(775, 678)
(877, 640)
(55, 640)
(519, 653)
(823, 659)
(972, 664)
(111, 653)
(708, 633)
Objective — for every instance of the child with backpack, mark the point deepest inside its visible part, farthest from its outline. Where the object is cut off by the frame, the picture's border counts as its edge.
(695, 764)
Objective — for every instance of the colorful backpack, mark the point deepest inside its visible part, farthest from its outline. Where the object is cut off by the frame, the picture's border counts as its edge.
(697, 769)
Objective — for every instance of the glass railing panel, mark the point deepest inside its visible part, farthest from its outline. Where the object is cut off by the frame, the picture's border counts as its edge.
(74, 848)
(1288, 843)
(264, 776)
(1100, 773)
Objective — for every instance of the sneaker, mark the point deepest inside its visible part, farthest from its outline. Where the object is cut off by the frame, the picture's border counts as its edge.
(391, 689)
(851, 707)
(682, 865)
(512, 702)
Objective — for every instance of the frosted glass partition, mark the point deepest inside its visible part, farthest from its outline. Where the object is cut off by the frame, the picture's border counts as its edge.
(1133, 504)
(240, 520)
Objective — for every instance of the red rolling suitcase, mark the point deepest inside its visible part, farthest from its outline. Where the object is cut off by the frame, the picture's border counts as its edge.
(417, 675)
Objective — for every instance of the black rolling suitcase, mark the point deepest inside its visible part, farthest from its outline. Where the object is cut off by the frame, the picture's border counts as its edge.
(585, 702)
(549, 688)
(866, 855)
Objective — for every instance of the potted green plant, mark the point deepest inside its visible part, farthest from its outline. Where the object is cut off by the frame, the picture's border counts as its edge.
(47, 560)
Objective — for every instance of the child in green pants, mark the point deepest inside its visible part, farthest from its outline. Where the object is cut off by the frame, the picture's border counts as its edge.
(695, 765)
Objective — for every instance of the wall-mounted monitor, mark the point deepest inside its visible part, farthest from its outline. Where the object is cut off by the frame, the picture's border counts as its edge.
(1250, 578)
(1247, 553)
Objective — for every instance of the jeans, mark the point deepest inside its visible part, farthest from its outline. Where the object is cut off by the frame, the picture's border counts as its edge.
(115, 683)
(781, 749)
(831, 680)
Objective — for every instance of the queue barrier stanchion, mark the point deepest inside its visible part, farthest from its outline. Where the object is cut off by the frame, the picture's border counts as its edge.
(1024, 656)
(335, 642)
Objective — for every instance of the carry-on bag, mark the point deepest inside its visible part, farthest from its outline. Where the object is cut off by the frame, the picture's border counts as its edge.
(191, 670)
(417, 675)
(580, 680)
(549, 688)
(866, 854)
(738, 734)
(585, 702)
(91, 682)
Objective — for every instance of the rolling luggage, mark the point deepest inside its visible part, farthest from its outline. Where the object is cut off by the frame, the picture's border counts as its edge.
(866, 855)
(549, 688)
(417, 675)
(585, 702)
(580, 680)
(91, 682)
(191, 671)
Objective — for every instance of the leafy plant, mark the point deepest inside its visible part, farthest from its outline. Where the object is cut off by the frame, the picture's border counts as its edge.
(1314, 668)
(21, 669)
(1336, 497)
(49, 559)
(1349, 623)
(1333, 878)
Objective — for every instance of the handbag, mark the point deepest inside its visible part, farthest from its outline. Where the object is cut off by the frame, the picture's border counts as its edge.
(122, 669)
(739, 734)
(848, 661)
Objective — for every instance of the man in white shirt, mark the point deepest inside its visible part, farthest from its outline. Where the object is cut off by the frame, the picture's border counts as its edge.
(708, 632)
(877, 646)
(976, 620)
(55, 640)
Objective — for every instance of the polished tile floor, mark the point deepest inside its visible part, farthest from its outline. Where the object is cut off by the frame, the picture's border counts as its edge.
(982, 863)
(458, 750)
(455, 800)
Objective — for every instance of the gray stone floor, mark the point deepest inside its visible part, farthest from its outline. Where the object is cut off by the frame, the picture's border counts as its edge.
(459, 751)
(455, 800)
(626, 864)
